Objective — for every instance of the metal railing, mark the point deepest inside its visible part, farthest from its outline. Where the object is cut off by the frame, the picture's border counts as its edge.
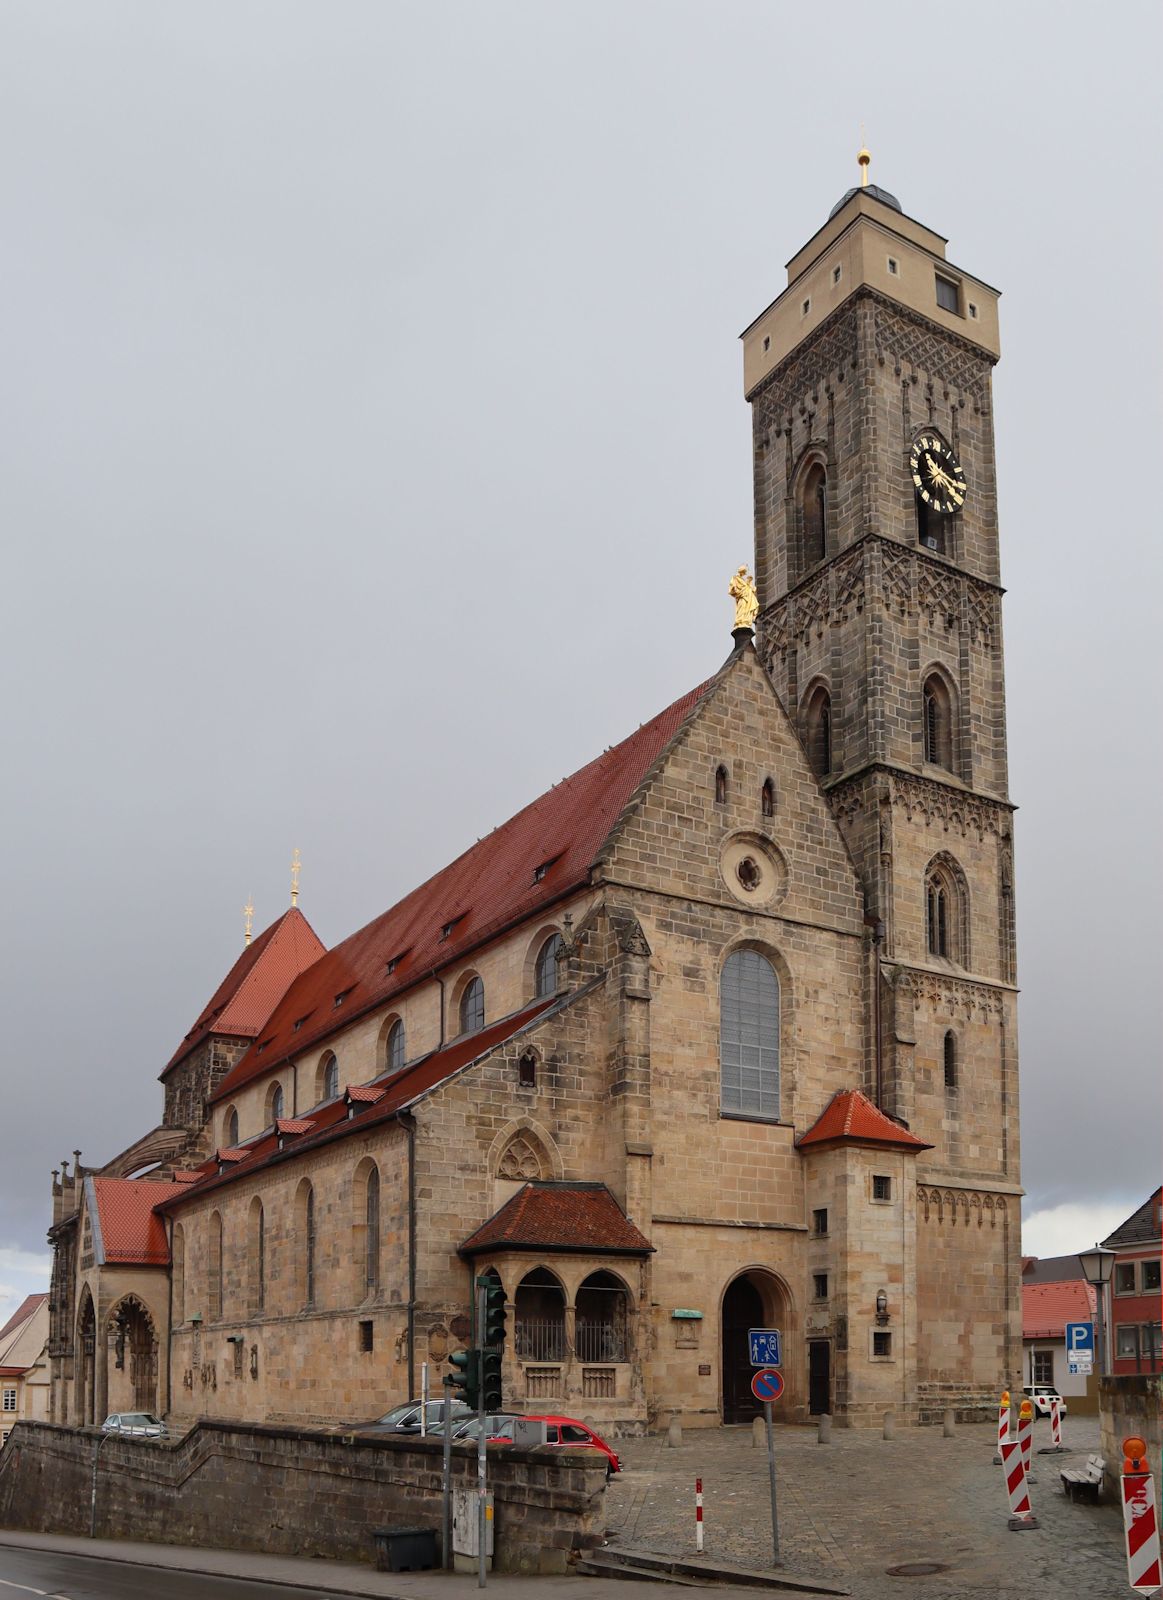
(540, 1339)
(600, 1341)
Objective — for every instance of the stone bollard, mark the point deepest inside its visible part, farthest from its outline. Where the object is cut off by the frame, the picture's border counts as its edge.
(674, 1432)
(824, 1429)
(759, 1434)
(949, 1424)
(889, 1425)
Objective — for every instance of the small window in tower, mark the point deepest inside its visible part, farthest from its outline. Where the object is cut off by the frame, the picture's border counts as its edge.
(836, 272)
(948, 294)
(367, 1337)
(767, 798)
(820, 1285)
(881, 1186)
(893, 266)
(805, 308)
(950, 1060)
(527, 1070)
(882, 1346)
(820, 1221)
(720, 786)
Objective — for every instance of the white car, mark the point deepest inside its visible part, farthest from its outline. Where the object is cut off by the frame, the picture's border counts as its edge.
(1042, 1394)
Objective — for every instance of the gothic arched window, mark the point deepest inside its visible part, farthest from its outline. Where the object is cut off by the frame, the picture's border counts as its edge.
(276, 1104)
(814, 509)
(397, 1046)
(371, 1260)
(938, 722)
(749, 1036)
(767, 799)
(330, 1084)
(546, 973)
(950, 1060)
(214, 1268)
(472, 1007)
(256, 1252)
(306, 1224)
(231, 1132)
(720, 785)
(946, 911)
(818, 731)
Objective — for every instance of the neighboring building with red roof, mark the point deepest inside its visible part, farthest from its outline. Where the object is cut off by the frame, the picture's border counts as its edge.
(1050, 1300)
(716, 1033)
(1135, 1295)
(24, 1365)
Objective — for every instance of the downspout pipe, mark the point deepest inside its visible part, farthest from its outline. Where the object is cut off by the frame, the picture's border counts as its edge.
(408, 1123)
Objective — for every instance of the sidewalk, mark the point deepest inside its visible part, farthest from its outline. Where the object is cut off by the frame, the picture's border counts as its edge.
(328, 1577)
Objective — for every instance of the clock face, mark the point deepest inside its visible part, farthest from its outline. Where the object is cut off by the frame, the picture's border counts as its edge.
(937, 474)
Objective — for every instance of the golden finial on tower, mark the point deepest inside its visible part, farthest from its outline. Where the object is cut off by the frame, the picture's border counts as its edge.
(864, 157)
(295, 865)
(247, 918)
(742, 591)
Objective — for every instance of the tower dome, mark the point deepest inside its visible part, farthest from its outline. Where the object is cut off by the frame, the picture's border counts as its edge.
(874, 190)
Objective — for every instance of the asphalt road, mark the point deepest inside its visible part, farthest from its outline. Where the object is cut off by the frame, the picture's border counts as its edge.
(61, 1577)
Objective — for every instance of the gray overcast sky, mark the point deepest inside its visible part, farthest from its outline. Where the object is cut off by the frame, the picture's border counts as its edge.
(373, 453)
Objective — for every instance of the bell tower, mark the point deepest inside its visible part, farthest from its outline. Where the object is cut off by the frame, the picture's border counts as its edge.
(876, 559)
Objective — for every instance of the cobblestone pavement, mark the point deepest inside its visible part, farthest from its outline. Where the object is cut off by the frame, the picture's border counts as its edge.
(852, 1508)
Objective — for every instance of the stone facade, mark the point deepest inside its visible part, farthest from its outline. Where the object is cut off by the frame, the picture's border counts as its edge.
(890, 1265)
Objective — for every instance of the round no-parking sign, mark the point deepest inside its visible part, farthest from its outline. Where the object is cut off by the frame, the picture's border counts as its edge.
(767, 1385)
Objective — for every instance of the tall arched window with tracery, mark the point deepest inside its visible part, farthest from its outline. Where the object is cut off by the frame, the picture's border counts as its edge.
(938, 722)
(946, 912)
(371, 1268)
(257, 1257)
(397, 1046)
(472, 1006)
(546, 971)
(814, 514)
(214, 1268)
(818, 731)
(950, 1061)
(749, 1064)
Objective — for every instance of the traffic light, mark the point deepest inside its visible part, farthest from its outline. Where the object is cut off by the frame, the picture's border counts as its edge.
(491, 1380)
(465, 1385)
(493, 1329)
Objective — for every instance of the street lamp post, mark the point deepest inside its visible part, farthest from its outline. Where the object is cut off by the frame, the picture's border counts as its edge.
(1097, 1266)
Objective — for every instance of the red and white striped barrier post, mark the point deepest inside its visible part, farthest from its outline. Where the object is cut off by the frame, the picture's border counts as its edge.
(1140, 1519)
(1026, 1437)
(1056, 1422)
(1021, 1515)
(1003, 1424)
(699, 1515)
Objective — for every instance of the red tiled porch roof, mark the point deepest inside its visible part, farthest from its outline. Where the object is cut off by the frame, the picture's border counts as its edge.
(574, 1218)
(543, 853)
(850, 1115)
(131, 1232)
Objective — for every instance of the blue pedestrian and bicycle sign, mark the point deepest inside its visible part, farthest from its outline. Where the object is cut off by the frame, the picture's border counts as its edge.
(764, 1347)
(767, 1385)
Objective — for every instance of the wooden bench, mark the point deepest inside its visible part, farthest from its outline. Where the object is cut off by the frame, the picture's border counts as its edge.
(1086, 1481)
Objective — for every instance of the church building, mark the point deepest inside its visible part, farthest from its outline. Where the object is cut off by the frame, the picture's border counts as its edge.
(717, 1034)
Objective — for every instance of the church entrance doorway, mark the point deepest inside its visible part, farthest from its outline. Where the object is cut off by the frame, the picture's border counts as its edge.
(819, 1377)
(753, 1300)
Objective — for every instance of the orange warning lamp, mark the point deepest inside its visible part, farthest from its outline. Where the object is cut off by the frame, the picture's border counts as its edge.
(1005, 1397)
(1135, 1454)
(1027, 1408)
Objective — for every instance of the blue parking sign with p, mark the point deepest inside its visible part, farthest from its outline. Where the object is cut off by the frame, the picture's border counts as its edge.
(764, 1347)
(1079, 1340)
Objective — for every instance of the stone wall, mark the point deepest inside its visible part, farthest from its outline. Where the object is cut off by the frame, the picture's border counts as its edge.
(1130, 1406)
(292, 1491)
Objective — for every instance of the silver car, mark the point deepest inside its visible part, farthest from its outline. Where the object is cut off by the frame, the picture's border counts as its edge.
(140, 1424)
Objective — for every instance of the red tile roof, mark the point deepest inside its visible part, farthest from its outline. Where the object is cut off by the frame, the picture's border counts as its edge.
(1048, 1307)
(13, 1372)
(580, 1218)
(294, 1125)
(489, 888)
(131, 1233)
(379, 1100)
(27, 1308)
(851, 1115)
(255, 983)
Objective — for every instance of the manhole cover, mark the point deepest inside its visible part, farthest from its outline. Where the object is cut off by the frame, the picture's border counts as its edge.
(916, 1569)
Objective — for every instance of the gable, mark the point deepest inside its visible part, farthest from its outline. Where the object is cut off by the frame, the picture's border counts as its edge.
(677, 838)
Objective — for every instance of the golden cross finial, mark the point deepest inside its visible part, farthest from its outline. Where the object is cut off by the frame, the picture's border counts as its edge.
(864, 157)
(295, 866)
(248, 918)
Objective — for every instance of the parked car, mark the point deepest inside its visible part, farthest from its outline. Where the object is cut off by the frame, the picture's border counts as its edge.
(571, 1434)
(406, 1418)
(143, 1424)
(1042, 1394)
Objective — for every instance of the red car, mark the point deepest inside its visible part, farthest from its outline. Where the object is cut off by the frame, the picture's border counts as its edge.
(572, 1435)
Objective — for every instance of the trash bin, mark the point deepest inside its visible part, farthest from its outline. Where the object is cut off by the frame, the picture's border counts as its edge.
(404, 1549)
